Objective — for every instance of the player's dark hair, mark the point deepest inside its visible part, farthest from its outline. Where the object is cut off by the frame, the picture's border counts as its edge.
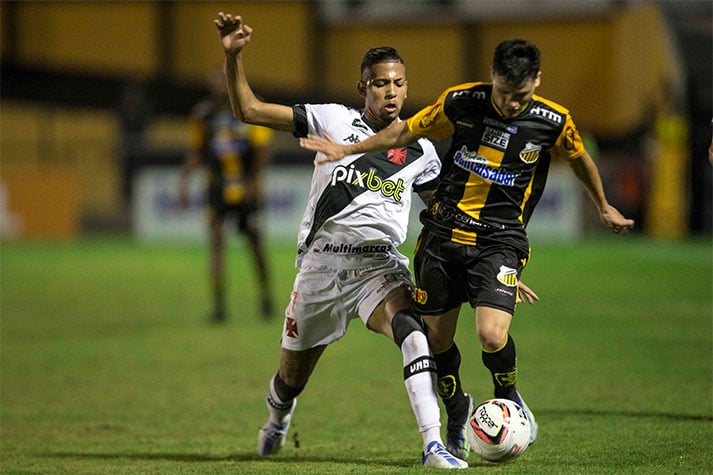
(380, 54)
(516, 60)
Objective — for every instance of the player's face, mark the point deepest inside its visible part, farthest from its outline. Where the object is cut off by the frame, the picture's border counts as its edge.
(385, 92)
(511, 99)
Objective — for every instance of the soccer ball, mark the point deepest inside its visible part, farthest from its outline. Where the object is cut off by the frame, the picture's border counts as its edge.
(498, 430)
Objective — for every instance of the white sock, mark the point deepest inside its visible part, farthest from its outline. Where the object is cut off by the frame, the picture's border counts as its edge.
(420, 381)
(280, 411)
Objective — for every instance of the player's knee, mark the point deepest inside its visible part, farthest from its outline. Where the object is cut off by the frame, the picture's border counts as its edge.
(403, 324)
(492, 340)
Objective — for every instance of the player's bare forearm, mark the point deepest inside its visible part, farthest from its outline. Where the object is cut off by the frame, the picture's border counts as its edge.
(588, 173)
(234, 36)
(395, 135)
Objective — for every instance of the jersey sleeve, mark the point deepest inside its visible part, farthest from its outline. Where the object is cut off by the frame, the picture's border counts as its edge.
(315, 118)
(569, 145)
(260, 136)
(432, 121)
(428, 180)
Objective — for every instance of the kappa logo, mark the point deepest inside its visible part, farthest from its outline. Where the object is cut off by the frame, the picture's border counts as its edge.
(352, 139)
(359, 124)
(530, 153)
(507, 276)
(397, 155)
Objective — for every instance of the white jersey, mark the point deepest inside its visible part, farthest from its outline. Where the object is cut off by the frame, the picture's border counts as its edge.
(359, 204)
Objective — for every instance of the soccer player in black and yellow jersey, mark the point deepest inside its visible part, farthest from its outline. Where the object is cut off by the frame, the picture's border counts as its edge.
(235, 155)
(473, 246)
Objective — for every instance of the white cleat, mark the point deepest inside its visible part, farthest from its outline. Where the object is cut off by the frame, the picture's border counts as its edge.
(271, 437)
(530, 417)
(438, 457)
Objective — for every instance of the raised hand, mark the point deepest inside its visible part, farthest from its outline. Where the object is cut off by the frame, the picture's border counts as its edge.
(330, 151)
(234, 34)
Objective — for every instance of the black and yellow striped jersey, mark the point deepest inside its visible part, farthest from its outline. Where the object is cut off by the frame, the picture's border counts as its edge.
(226, 145)
(496, 168)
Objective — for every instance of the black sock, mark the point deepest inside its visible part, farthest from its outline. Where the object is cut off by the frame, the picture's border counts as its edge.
(449, 386)
(285, 392)
(502, 364)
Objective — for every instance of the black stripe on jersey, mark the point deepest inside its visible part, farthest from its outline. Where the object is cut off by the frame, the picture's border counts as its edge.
(299, 114)
(538, 186)
(338, 196)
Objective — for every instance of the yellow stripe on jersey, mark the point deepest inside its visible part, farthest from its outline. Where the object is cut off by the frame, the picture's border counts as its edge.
(477, 187)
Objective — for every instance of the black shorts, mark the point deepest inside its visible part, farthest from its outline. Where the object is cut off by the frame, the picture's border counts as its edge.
(448, 274)
(246, 213)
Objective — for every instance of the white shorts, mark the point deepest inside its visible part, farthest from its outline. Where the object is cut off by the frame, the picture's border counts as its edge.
(328, 294)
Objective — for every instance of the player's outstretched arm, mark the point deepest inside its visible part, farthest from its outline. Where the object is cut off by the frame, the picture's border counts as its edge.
(587, 172)
(234, 36)
(395, 135)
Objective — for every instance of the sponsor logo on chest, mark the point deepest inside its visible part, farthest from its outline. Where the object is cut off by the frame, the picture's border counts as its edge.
(369, 180)
(495, 138)
(478, 164)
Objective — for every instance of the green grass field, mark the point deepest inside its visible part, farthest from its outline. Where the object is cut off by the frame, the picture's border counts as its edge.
(109, 366)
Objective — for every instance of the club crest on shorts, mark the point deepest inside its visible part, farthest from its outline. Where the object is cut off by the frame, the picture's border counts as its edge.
(291, 327)
(420, 296)
(507, 276)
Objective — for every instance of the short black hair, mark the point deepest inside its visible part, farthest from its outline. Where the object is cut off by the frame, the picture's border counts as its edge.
(380, 54)
(516, 60)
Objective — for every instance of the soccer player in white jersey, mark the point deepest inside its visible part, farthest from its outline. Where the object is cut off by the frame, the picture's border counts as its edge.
(355, 218)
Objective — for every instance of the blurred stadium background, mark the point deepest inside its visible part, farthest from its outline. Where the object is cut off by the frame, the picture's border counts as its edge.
(96, 96)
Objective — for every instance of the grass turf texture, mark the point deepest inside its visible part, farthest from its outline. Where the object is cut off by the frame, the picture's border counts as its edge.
(109, 366)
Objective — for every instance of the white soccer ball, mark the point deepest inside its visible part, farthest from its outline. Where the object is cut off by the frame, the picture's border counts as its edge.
(498, 430)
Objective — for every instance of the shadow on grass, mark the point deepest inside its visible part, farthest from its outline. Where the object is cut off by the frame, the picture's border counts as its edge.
(364, 461)
(237, 457)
